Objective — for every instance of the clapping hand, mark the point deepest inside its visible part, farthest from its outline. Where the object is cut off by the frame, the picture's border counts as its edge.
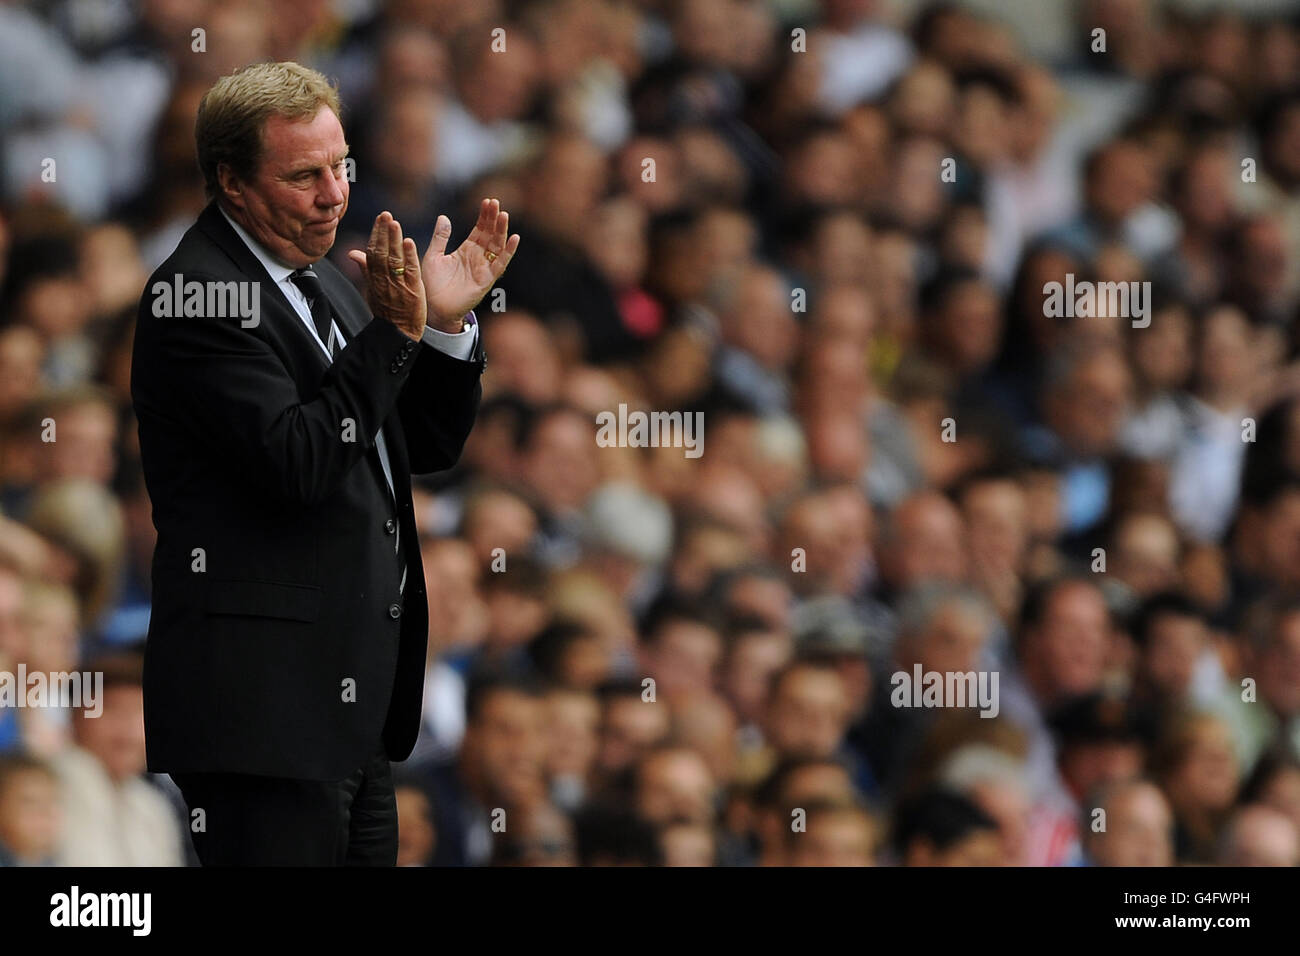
(392, 271)
(456, 282)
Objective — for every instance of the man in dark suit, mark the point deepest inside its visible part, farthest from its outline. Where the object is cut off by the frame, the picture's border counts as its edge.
(281, 416)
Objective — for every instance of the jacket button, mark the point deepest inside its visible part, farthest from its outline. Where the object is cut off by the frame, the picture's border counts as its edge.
(394, 611)
(393, 367)
(390, 526)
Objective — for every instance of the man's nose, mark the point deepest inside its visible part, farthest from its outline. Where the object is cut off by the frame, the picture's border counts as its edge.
(333, 191)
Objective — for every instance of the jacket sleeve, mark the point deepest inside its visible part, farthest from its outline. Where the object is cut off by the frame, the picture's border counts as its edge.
(438, 405)
(232, 387)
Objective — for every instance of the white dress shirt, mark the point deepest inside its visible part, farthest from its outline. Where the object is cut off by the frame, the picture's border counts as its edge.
(458, 345)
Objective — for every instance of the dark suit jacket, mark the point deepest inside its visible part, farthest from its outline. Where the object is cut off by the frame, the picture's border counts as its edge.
(252, 652)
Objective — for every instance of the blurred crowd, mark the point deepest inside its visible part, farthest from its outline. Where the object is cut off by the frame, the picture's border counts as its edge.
(828, 226)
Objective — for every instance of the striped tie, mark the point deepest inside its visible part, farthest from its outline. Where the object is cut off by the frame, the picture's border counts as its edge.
(321, 315)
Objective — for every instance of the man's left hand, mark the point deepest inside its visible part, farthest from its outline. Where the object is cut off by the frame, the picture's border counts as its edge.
(456, 282)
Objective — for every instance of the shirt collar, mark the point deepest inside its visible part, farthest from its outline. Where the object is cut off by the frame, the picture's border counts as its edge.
(275, 269)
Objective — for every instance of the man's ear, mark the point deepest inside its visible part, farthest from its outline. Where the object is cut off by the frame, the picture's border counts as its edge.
(230, 186)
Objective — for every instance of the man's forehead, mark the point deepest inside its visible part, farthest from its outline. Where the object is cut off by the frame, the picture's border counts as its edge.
(288, 140)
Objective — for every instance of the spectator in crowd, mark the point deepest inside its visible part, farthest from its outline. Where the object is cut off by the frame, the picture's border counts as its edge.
(498, 771)
(995, 782)
(1128, 823)
(833, 836)
(1195, 761)
(1259, 836)
(114, 817)
(416, 836)
(795, 785)
(940, 828)
(1275, 782)
(30, 817)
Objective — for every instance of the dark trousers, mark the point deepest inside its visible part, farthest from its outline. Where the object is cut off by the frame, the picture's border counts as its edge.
(278, 821)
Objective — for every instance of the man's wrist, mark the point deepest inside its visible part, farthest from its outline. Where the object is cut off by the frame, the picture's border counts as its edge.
(456, 325)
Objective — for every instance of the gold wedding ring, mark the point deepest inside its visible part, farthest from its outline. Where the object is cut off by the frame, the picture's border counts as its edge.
(399, 271)
(490, 256)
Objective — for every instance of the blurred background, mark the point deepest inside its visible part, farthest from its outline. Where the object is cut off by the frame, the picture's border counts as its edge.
(739, 208)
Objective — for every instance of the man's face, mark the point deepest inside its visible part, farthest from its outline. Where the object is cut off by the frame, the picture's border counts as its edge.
(294, 202)
(930, 544)
(809, 713)
(1263, 837)
(631, 726)
(502, 520)
(686, 656)
(1148, 554)
(86, 445)
(1008, 804)
(417, 836)
(971, 326)
(839, 838)
(29, 814)
(760, 322)
(676, 785)
(52, 634)
(1086, 766)
(953, 642)
(997, 523)
(1139, 831)
(1090, 408)
(116, 737)
(749, 671)
(687, 844)
(511, 745)
(525, 358)
(764, 597)
(560, 464)
(1175, 645)
(1074, 638)
(573, 733)
(1208, 776)
(457, 613)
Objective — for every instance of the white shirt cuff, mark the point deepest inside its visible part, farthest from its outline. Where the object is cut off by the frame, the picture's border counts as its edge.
(458, 345)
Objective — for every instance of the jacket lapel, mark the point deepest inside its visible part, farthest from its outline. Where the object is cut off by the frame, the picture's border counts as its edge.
(274, 302)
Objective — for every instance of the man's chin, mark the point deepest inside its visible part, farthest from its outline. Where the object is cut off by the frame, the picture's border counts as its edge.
(318, 242)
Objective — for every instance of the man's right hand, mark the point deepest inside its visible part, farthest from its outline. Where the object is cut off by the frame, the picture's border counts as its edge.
(391, 266)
